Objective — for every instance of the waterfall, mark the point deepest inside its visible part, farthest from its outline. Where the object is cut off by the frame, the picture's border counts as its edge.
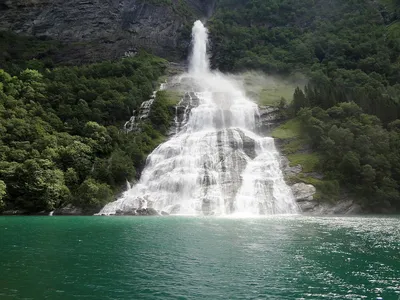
(143, 112)
(216, 163)
(199, 63)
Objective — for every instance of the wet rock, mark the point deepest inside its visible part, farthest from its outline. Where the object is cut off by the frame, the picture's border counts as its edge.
(142, 203)
(347, 208)
(68, 210)
(152, 212)
(147, 212)
(269, 118)
(130, 212)
(342, 207)
(307, 206)
(249, 145)
(287, 170)
(268, 114)
(164, 213)
(175, 209)
(207, 207)
(303, 192)
(140, 212)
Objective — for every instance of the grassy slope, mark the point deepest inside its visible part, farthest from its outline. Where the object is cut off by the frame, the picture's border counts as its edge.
(271, 95)
(294, 146)
(267, 90)
(173, 97)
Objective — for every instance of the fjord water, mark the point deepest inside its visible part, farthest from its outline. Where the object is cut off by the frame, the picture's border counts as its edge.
(216, 163)
(290, 257)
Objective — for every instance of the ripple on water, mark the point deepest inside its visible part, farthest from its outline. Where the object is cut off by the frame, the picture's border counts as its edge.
(276, 257)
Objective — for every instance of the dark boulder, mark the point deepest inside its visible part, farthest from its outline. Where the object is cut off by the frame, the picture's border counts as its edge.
(131, 212)
(147, 212)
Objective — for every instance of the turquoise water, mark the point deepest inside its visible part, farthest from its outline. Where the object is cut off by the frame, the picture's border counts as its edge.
(199, 258)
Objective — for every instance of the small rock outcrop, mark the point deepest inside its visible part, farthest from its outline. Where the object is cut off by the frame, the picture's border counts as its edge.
(304, 196)
(148, 212)
(269, 118)
(287, 170)
(68, 210)
(13, 212)
(303, 192)
(140, 212)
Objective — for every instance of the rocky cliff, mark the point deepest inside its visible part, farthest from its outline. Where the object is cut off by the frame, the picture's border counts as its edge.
(93, 30)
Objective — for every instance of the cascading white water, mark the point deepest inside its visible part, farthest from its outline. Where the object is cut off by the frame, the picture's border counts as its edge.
(215, 164)
(143, 112)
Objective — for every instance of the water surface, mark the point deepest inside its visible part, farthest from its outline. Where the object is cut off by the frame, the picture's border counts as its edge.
(199, 258)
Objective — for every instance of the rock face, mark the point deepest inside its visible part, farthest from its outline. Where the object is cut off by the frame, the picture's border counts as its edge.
(287, 170)
(342, 207)
(304, 196)
(98, 29)
(269, 118)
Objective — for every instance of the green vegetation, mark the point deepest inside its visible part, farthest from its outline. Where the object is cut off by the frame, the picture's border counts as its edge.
(327, 190)
(285, 36)
(357, 151)
(352, 149)
(172, 97)
(161, 114)
(345, 120)
(309, 161)
(272, 96)
(346, 45)
(60, 131)
(2, 193)
(268, 91)
(180, 7)
(18, 53)
(295, 145)
(288, 130)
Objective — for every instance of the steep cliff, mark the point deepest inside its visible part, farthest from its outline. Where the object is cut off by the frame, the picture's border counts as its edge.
(106, 29)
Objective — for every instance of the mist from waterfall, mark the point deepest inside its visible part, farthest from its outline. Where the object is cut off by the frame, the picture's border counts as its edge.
(216, 163)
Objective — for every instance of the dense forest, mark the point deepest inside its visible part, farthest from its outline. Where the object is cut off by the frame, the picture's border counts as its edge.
(61, 137)
(349, 112)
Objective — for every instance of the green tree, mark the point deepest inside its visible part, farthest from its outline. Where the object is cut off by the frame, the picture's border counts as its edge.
(42, 187)
(3, 192)
(92, 194)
